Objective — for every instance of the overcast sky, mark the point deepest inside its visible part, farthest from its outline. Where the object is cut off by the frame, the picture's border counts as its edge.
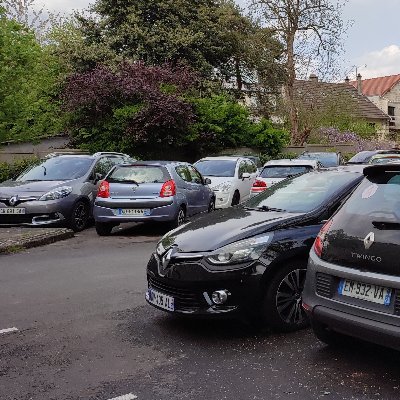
(373, 40)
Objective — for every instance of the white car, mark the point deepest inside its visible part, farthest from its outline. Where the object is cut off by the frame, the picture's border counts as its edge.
(275, 171)
(231, 178)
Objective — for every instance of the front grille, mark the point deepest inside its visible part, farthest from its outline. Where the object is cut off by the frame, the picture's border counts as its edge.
(397, 303)
(185, 299)
(12, 219)
(325, 285)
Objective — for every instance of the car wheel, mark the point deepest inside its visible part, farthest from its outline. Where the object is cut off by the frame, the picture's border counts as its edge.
(282, 306)
(180, 218)
(328, 336)
(211, 205)
(235, 198)
(79, 216)
(103, 228)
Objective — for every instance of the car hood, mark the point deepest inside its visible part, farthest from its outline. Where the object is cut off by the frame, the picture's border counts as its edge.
(33, 188)
(217, 180)
(222, 227)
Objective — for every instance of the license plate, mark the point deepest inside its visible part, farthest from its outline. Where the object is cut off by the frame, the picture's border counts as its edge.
(160, 300)
(12, 211)
(139, 212)
(365, 291)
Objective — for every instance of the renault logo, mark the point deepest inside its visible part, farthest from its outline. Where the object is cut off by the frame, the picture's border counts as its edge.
(13, 200)
(369, 240)
(166, 259)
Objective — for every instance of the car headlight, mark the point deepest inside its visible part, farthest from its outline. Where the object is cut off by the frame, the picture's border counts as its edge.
(240, 252)
(223, 187)
(58, 193)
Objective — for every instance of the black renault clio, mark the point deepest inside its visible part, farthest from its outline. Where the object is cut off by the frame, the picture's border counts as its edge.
(250, 259)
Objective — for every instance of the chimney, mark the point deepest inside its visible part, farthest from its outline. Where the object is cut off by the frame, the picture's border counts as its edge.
(359, 84)
(347, 80)
(313, 78)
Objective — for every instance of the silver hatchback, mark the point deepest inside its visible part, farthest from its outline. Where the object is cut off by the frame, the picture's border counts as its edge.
(158, 191)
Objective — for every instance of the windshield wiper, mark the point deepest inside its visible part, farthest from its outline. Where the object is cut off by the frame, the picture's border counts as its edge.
(266, 208)
(386, 225)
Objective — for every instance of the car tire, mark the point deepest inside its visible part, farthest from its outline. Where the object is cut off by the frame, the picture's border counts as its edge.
(79, 216)
(179, 219)
(282, 306)
(103, 228)
(211, 205)
(235, 198)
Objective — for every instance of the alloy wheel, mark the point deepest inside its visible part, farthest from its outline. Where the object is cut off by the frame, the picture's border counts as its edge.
(181, 217)
(288, 297)
(80, 216)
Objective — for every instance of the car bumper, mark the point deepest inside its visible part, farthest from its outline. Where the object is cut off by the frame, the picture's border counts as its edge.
(357, 318)
(38, 213)
(191, 286)
(222, 199)
(162, 213)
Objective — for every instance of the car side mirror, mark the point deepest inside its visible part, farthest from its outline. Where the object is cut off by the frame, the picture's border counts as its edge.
(245, 175)
(207, 181)
(98, 177)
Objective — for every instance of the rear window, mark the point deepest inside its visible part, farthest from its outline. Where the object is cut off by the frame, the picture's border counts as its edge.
(377, 198)
(284, 172)
(139, 174)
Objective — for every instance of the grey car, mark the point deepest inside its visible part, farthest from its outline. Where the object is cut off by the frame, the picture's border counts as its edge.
(353, 276)
(158, 191)
(58, 190)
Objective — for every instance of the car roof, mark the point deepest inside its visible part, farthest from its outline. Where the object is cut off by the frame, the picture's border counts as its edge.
(289, 161)
(158, 163)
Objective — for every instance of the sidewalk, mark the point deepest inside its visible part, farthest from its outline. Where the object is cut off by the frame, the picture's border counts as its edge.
(13, 239)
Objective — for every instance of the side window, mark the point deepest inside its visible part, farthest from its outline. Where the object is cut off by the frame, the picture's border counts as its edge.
(102, 167)
(184, 173)
(242, 168)
(251, 167)
(195, 176)
(115, 160)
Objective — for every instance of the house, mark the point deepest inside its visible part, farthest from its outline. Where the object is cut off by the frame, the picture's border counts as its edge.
(314, 94)
(384, 92)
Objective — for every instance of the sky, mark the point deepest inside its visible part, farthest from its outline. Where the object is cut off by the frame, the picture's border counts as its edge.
(372, 46)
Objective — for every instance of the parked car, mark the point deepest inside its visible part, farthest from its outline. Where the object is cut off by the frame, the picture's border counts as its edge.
(384, 158)
(353, 278)
(251, 259)
(326, 158)
(58, 190)
(275, 171)
(161, 191)
(363, 157)
(231, 178)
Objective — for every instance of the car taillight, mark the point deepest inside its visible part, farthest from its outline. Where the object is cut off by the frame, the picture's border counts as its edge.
(319, 241)
(104, 190)
(258, 186)
(168, 189)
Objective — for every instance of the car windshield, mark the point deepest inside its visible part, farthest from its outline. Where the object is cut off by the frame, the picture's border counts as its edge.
(225, 168)
(302, 193)
(326, 159)
(57, 169)
(385, 159)
(361, 157)
(274, 171)
(139, 174)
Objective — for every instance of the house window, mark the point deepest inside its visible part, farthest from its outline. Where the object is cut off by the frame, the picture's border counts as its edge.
(391, 111)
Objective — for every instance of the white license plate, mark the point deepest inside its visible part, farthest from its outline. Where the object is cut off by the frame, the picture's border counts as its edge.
(12, 211)
(160, 300)
(365, 291)
(139, 212)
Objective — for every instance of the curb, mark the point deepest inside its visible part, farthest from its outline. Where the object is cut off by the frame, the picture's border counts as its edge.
(30, 240)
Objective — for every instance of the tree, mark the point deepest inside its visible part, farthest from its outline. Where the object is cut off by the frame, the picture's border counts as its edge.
(27, 76)
(310, 32)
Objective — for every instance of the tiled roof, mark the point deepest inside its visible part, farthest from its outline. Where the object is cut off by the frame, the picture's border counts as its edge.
(313, 93)
(378, 86)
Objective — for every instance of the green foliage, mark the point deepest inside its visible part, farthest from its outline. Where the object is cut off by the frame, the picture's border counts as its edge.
(27, 76)
(11, 170)
(269, 139)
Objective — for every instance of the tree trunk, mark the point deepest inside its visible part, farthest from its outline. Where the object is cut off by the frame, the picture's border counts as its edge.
(239, 81)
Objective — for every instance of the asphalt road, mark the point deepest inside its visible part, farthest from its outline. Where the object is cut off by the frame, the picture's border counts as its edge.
(85, 332)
